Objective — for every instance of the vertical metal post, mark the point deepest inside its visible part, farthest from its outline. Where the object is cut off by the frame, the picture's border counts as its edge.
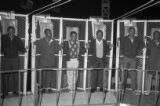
(110, 60)
(26, 56)
(144, 58)
(85, 57)
(60, 55)
(117, 82)
(33, 54)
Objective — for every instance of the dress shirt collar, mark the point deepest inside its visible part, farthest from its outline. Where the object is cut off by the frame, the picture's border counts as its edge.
(99, 42)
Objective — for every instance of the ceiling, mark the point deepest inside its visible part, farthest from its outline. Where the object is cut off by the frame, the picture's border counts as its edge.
(85, 8)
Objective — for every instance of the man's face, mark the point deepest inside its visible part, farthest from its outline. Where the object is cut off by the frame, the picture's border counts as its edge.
(48, 34)
(11, 31)
(156, 36)
(73, 36)
(99, 36)
(132, 32)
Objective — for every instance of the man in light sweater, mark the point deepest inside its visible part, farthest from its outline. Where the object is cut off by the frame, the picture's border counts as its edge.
(73, 50)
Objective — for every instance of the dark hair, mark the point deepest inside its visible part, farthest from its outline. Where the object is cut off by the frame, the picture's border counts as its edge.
(73, 32)
(47, 29)
(131, 28)
(155, 33)
(10, 27)
(99, 31)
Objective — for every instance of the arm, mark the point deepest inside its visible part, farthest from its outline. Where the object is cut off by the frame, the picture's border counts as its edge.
(56, 47)
(65, 47)
(2, 44)
(122, 45)
(82, 49)
(107, 47)
(21, 47)
(91, 47)
(141, 44)
(38, 44)
(149, 46)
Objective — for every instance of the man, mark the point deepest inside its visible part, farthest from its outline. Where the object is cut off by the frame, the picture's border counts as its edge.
(47, 47)
(73, 50)
(153, 51)
(98, 49)
(11, 47)
(130, 45)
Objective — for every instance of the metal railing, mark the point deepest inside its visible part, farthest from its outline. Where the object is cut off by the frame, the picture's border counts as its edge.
(119, 93)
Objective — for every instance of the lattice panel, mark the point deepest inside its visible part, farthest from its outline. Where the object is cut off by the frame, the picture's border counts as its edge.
(108, 30)
(75, 23)
(140, 27)
(139, 63)
(21, 26)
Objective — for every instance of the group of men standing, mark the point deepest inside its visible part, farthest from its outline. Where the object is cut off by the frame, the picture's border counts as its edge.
(47, 47)
(74, 49)
(131, 45)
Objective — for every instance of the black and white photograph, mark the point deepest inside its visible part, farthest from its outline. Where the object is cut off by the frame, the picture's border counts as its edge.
(79, 53)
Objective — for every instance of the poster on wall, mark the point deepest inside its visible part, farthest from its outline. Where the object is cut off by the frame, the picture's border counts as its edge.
(45, 24)
(153, 30)
(99, 26)
(69, 30)
(128, 24)
(8, 22)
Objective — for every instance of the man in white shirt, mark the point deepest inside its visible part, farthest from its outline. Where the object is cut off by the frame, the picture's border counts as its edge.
(98, 49)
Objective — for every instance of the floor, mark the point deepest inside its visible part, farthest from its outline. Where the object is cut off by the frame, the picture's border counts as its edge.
(81, 99)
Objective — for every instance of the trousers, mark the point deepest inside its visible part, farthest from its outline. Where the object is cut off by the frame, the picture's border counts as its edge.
(10, 81)
(72, 74)
(130, 63)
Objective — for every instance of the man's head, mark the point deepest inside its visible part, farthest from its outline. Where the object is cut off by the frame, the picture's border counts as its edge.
(48, 33)
(99, 35)
(73, 35)
(132, 31)
(156, 35)
(11, 30)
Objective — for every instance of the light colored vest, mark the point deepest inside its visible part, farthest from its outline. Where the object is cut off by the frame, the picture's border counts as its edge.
(99, 49)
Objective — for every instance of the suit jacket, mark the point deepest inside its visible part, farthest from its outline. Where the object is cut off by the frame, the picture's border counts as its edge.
(66, 50)
(92, 50)
(47, 53)
(11, 49)
(129, 49)
(154, 55)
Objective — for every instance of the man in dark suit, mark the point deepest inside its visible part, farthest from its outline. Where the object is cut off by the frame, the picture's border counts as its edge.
(153, 51)
(47, 47)
(98, 49)
(130, 45)
(11, 47)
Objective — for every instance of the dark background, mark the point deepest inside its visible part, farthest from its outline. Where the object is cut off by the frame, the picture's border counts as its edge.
(85, 8)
